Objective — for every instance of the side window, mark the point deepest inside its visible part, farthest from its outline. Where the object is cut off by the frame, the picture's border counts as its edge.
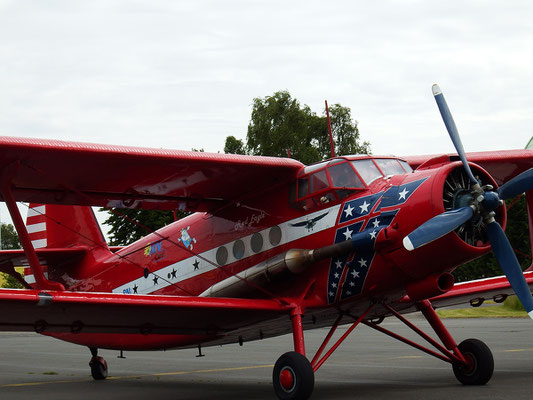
(367, 169)
(343, 176)
(303, 184)
(319, 181)
(390, 166)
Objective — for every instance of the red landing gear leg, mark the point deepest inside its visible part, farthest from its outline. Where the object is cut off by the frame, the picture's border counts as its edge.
(476, 362)
(293, 376)
(471, 360)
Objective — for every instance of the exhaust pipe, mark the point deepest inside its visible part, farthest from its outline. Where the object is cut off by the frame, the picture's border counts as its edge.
(431, 286)
(294, 261)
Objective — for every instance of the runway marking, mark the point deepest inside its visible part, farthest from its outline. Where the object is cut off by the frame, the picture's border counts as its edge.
(200, 371)
(403, 357)
(517, 350)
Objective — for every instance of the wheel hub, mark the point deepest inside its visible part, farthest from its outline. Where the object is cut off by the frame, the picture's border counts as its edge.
(286, 378)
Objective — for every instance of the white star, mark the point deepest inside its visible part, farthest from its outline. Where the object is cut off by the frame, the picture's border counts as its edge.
(336, 275)
(353, 284)
(348, 292)
(348, 210)
(331, 293)
(364, 207)
(403, 193)
(376, 223)
(373, 234)
(333, 285)
(338, 264)
(348, 233)
(362, 263)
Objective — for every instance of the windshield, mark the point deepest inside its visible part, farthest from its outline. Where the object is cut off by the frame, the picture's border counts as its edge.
(367, 169)
(390, 166)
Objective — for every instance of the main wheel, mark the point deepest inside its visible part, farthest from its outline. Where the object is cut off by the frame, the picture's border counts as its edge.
(98, 368)
(480, 365)
(293, 377)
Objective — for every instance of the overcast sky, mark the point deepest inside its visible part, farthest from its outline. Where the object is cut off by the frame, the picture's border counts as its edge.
(183, 74)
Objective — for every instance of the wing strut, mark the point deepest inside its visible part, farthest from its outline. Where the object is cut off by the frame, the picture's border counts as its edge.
(40, 280)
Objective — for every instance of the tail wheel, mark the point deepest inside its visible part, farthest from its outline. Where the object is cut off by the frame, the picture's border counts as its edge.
(98, 368)
(293, 377)
(480, 365)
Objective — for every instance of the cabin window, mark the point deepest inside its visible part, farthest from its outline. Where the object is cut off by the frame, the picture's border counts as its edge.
(319, 181)
(390, 166)
(343, 176)
(367, 169)
(303, 186)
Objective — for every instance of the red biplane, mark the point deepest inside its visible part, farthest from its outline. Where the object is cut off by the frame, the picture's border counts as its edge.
(273, 247)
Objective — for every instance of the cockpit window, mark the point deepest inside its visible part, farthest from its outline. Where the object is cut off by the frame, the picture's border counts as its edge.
(319, 181)
(406, 166)
(390, 166)
(367, 169)
(343, 176)
(303, 185)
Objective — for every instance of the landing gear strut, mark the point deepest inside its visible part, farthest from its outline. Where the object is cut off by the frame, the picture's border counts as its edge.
(293, 375)
(98, 365)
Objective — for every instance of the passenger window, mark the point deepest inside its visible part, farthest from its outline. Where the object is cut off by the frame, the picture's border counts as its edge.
(390, 166)
(319, 181)
(367, 169)
(302, 187)
(343, 176)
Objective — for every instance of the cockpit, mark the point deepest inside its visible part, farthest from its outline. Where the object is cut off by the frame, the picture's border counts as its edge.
(333, 180)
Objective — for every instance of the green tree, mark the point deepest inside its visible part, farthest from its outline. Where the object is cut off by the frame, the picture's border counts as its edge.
(124, 231)
(234, 146)
(10, 240)
(280, 123)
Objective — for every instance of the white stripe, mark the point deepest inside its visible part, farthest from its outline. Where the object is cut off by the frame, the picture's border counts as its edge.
(40, 227)
(185, 268)
(39, 210)
(39, 243)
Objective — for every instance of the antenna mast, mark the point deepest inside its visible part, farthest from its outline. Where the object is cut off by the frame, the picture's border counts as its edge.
(330, 133)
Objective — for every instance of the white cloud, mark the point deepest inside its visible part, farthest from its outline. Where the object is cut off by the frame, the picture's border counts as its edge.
(183, 74)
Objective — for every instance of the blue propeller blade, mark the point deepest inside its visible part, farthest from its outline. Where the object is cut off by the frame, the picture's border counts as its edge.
(519, 184)
(452, 130)
(509, 264)
(437, 227)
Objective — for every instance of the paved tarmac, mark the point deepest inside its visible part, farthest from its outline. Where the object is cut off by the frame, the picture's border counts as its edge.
(367, 366)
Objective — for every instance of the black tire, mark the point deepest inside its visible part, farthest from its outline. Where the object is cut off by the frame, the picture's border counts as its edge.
(98, 368)
(299, 369)
(482, 363)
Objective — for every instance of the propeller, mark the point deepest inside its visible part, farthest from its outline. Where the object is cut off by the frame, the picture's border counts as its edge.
(482, 203)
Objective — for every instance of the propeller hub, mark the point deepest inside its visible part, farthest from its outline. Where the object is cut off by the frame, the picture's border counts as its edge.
(491, 201)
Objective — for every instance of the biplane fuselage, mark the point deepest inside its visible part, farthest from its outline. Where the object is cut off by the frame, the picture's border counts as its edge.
(381, 200)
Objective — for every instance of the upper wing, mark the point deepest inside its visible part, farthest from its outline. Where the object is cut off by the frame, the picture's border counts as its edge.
(57, 172)
(82, 312)
(502, 165)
